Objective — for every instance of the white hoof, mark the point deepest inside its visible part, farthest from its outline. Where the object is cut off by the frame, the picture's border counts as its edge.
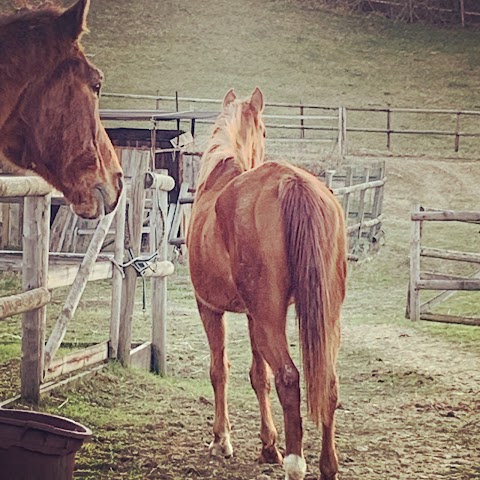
(295, 467)
(223, 448)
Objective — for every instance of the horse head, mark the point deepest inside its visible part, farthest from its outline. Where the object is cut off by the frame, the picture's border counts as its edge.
(50, 120)
(244, 117)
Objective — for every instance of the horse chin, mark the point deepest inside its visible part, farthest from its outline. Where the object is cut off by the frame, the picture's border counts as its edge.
(93, 209)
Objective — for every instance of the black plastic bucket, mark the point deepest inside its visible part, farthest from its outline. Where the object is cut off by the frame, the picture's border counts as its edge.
(38, 446)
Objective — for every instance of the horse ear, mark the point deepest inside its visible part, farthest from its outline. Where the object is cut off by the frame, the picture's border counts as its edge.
(73, 21)
(256, 100)
(229, 98)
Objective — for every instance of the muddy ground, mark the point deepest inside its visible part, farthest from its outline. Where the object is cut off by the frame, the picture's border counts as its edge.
(410, 394)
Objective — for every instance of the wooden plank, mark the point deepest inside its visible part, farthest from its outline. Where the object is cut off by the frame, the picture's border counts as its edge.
(450, 255)
(36, 231)
(177, 219)
(119, 252)
(135, 214)
(415, 246)
(59, 228)
(438, 317)
(15, 233)
(447, 216)
(361, 205)
(159, 284)
(141, 356)
(12, 186)
(366, 224)
(377, 206)
(467, 284)
(359, 187)
(346, 197)
(24, 302)
(77, 360)
(64, 275)
(4, 234)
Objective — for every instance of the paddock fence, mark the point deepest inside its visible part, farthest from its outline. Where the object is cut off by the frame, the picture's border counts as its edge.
(41, 368)
(447, 284)
(457, 12)
(359, 188)
(314, 128)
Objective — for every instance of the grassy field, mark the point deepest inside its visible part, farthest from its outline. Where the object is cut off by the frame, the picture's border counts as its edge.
(410, 393)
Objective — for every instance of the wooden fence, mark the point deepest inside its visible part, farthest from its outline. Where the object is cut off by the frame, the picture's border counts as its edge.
(360, 190)
(39, 367)
(447, 284)
(343, 129)
(463, 12)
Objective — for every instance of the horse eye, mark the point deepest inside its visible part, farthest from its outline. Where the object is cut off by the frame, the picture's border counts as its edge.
(96, 89)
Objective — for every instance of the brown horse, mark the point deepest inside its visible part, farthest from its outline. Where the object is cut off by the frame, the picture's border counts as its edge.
(49, 117)
(262, 236)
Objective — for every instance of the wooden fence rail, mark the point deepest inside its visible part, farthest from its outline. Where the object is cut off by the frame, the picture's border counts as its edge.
(447, 284)
(360, 190)
(303, 120)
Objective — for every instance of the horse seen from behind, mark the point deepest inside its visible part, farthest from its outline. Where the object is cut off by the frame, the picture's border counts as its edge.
(49, 114)
(264, 235)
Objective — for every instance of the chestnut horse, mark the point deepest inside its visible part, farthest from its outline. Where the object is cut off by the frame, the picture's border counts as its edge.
(262, 236)
(49, 117)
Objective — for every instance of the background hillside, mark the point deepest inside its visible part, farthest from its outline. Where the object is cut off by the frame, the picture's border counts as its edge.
(293, 52)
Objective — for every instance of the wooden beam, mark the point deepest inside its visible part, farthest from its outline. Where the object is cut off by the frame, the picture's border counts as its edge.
(77, 360)
(359, 187)
(135, 214)
(159, 283)
(447, 216)
(450, 255)
(415, 247)
(468, 284)
(439, 317)
(36, 232)
(141, 356)
(24, 302)
(117, 279)
(64, 275)
(12, 186)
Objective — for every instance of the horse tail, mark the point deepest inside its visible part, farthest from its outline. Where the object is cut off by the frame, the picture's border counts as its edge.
(316, 250)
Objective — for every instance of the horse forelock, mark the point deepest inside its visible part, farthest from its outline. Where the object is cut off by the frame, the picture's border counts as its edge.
(238, 134)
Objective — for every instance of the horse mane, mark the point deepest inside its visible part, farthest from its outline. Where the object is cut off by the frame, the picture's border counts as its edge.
(226, 143)
(35, 15)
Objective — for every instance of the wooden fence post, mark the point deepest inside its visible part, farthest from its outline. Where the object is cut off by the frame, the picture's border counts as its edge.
(415, 248)
(342, 132)
(117, 277)
(36, 232)
(159, 240)
(135, 212)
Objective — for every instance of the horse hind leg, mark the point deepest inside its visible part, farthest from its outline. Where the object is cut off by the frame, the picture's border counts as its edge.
(259, 378)
(214, 325)
(328, 456)
(273, 346)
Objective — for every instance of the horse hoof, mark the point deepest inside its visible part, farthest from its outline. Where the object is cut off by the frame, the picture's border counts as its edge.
(221, 449)
(270, 455)
(328, 477)
(295, 467)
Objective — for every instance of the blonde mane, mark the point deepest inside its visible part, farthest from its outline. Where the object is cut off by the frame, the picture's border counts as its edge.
(238, 134)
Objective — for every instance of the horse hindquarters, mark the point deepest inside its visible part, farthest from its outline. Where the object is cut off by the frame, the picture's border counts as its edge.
(316, 251)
